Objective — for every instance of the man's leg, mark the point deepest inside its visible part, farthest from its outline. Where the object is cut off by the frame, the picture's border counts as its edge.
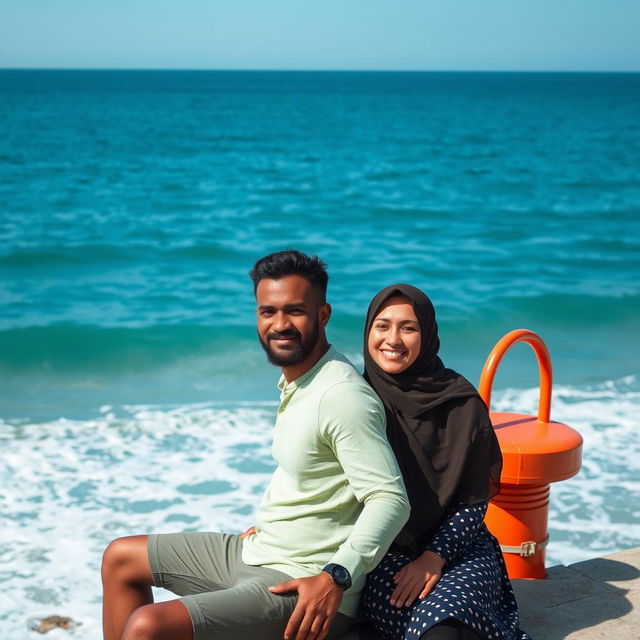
(126, 583)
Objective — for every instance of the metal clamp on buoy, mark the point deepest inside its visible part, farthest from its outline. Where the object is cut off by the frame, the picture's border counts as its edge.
(526, 549)
(535, 452)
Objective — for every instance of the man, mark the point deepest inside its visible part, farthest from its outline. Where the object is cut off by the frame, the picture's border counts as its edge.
(334, 504)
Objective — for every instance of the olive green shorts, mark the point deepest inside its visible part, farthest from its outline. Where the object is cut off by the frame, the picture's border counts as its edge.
(226, 598)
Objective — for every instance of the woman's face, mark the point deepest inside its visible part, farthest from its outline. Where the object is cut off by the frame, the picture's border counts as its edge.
(394, 339)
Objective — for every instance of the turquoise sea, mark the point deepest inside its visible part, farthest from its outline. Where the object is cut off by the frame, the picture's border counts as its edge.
(134, 396)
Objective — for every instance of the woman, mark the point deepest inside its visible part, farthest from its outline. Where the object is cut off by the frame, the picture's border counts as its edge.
(444, 576)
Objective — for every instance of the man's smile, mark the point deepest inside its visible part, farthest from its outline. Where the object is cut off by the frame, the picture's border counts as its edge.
(283, 335)
(282, 341)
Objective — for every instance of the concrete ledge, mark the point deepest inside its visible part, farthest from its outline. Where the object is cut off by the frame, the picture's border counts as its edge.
(597, 598)
(590, 600)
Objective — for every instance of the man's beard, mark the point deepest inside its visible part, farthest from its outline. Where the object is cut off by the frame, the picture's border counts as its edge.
(295, 356)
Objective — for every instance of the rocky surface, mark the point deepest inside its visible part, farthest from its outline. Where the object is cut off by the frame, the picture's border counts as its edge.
(44, 625)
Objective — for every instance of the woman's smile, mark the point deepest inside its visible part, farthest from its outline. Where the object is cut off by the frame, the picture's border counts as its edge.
(393, 355)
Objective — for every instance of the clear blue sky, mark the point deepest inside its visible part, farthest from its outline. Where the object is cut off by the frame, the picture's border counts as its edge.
(582, 35)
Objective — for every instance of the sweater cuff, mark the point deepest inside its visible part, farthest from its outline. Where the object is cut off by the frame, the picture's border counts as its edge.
(351, 561)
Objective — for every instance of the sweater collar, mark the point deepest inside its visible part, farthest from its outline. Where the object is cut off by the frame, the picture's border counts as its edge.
(285, 386)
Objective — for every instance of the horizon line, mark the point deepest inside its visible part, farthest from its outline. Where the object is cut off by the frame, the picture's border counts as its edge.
(328, 70)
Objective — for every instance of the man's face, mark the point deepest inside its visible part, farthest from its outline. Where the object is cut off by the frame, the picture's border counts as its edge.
(290, 317)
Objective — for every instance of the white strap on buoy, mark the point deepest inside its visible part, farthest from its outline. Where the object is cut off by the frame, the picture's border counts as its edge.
(526, 549)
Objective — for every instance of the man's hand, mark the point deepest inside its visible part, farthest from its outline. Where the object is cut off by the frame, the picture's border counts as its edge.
(416, 579)
(318, 601)
(248, 532)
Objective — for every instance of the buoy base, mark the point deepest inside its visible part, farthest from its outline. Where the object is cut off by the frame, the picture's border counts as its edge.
(518, 517)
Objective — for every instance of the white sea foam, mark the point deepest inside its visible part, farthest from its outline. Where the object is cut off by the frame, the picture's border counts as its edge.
(597, 511)
(69, 487)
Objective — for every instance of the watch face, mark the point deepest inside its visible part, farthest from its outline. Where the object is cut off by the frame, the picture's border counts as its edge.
(340, 575)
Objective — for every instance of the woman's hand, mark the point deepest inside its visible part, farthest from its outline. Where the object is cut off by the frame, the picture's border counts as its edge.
(416, 579)
(250, 531)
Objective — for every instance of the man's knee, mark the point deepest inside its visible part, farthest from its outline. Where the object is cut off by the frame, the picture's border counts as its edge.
(126, 559)
(161, 621)
(143, 624)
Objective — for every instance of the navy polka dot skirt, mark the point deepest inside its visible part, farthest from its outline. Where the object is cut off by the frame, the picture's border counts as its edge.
(473, 589)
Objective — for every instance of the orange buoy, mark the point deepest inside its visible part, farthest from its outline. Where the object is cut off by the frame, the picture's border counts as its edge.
(535, 452)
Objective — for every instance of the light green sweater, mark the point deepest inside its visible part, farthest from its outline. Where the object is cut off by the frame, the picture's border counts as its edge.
(337, 494)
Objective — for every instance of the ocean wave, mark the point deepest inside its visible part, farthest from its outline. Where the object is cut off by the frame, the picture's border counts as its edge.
(135, 344)
(112, 350)
(70, 486)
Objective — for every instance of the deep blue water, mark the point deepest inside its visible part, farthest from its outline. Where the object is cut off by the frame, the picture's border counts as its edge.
(133, 203)
(134, 396)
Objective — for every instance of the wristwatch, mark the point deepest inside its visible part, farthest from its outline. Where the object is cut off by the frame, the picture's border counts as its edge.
(339, 575)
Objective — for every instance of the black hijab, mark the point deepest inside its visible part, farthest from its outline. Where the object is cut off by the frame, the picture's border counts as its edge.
(437, 425)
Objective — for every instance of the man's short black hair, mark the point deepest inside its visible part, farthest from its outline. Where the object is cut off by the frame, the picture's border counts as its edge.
(289, 263)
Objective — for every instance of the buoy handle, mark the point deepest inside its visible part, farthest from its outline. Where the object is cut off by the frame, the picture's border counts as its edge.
(544, 365)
